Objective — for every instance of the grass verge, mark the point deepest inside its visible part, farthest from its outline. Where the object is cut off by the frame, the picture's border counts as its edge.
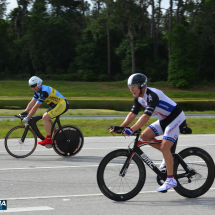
(99, 127)
(41, 111)
(103, 89)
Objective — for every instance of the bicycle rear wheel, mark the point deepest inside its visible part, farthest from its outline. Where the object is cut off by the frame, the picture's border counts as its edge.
(114, 186)
(202, 163)
(75, 140)
(15, 147)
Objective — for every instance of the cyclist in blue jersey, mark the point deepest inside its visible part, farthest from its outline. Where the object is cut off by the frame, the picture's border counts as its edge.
(170, 119)
(57, 105)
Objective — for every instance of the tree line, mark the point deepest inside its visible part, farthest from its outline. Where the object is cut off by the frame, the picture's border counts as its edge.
(109, 40)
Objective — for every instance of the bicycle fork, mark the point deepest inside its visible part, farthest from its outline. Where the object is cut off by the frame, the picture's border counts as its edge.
(126, 165)
(25, 133)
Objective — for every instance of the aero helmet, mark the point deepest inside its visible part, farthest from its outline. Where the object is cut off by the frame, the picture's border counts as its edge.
(35, 81)
(139, 79)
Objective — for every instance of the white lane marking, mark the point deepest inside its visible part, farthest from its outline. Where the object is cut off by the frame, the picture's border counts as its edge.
(120, 147)
(47, 167)
(61, 167)
(125, 147)
(81, 195)
(41, 150)
(40, 208)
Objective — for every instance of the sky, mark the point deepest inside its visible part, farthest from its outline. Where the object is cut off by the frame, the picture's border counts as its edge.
(13, 3)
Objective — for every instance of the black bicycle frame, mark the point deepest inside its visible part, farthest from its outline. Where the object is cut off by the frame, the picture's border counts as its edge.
(151, 165)
(32, 122)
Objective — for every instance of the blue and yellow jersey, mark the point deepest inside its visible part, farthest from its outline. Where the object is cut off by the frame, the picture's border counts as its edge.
(49, 95)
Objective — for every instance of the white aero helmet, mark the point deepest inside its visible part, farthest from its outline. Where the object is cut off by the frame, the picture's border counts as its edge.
(35, 81)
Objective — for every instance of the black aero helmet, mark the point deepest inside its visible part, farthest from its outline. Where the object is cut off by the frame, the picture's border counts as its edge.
(139, 79)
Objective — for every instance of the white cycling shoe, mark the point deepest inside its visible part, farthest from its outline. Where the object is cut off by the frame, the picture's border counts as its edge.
(168, 184)
(162, 164)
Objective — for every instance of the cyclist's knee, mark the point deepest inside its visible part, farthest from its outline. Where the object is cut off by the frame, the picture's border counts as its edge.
(46, 117)
(145, 137)
(165, 148)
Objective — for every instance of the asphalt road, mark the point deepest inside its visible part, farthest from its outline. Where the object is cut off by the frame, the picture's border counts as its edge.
(45, 183)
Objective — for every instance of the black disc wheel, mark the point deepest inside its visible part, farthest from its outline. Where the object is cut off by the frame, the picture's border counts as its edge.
(202, 164)
(68, 141)
(112, 184)
(18, 148)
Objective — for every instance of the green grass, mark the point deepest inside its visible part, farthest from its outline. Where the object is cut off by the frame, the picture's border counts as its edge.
(102, 90)
(41, 111)
(99, 127)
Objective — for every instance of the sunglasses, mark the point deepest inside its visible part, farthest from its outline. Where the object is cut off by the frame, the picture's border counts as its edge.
(34, 85)
(134, 87)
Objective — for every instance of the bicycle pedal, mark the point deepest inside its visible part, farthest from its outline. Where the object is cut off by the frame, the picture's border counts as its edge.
(164, 191)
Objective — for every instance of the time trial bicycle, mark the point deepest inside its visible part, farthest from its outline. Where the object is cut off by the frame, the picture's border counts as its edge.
(21, 141)
(121, 173)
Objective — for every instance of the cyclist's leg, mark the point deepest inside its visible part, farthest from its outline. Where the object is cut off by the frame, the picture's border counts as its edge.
(151, 132)
(165, 148)
(170, 138)
(170, 182)
(51, 113)
(60, 108)
(48, 123)
(171, 134)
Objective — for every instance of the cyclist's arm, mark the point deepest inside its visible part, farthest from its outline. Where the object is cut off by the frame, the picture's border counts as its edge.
(141, 122)
(129, 119)
(133, 114)
(34, 109)
(30, 105)
(152, 101)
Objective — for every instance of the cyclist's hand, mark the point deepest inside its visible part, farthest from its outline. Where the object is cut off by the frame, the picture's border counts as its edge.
(116, 129)
(128, 131)
(26, 119)
(112, 131)
(23, 114)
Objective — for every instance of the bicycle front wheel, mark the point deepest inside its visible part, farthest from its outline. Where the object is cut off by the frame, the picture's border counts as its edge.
(68, 141)
(114, 186)
(202, 164)
(14, 145)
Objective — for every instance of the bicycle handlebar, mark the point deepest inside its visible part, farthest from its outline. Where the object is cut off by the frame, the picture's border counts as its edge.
(19, 117)
(120, 130)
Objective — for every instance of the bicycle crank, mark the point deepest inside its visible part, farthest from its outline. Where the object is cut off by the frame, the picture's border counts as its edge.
(160, 180)
(48, 146)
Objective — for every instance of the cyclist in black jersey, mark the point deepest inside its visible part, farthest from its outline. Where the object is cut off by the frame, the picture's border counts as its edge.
(170, 119)
(57, 105)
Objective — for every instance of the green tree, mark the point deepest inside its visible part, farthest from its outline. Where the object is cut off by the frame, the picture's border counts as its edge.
(4, 52)
(205, 26)
(184, 58)
(3, 7)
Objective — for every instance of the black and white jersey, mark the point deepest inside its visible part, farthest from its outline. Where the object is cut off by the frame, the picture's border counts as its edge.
(155, 102)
